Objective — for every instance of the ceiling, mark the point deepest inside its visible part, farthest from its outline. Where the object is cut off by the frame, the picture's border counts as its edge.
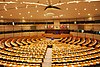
(21, 10)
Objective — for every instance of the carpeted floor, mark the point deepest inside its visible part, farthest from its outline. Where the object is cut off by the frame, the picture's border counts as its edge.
(48, 58)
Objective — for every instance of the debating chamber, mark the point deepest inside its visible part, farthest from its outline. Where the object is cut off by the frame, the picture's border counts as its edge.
(49, 33)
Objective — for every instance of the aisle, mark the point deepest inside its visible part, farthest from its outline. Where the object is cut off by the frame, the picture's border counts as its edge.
(48, 58)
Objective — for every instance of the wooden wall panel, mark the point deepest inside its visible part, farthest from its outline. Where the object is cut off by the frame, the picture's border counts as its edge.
(17, 28)
(88, 27)
(26, 27)
(81, 35)
(25, 34)
(97, 27)
(8, 28)
(73, 27)
(2, 28)
(97, 37)
(17, 34)
(8, 35)
(89, 35)
(74, 33)
(2, 35)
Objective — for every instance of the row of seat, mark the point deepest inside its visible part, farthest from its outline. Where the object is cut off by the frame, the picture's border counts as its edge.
(80, 41)
(22, 52)
(75, 52)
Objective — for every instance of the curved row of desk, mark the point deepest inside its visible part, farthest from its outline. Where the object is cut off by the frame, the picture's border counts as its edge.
(76, 52)
(22, 52)
(66, 52)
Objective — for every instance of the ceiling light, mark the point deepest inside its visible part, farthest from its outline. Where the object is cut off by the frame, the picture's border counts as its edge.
(88, 1)
(28, 12)
(16, 0)
(36, 6)
(66, 8)
(19, 13)
(5, 4)
(78, 13)
(90, 18)
(96, 9)
(77, 1)
(88, 14)
(49, 14)
(37, 11)
(1, 16)
(21, 2)
(23, 17)
(84, 8)
(26, 6)
(31, 16)
(16, 8)
(46, 0)
(5, 8)
(67, 2)
(75, 8)
(61, 15)
(10, 14)
(44, 14)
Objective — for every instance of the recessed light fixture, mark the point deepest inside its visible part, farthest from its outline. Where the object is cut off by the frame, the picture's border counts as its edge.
(46, 0)
(5, 4)
(78, 13)
(75, 8)
(5, 8)
(1, 16)
(26, 6)
(37, 10)
(66, 8)
(61, 15)
(36, 6)
(21, 2)
(16, 8)
(90, 18)
(28, 12)
(31, 16)
(77, 2)
(89, 14)
(67, 2)
(23, 17)
(88, 1)
(84, 8)
(10, 14)
(44, 14)
(19, 13)
(96, 9)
